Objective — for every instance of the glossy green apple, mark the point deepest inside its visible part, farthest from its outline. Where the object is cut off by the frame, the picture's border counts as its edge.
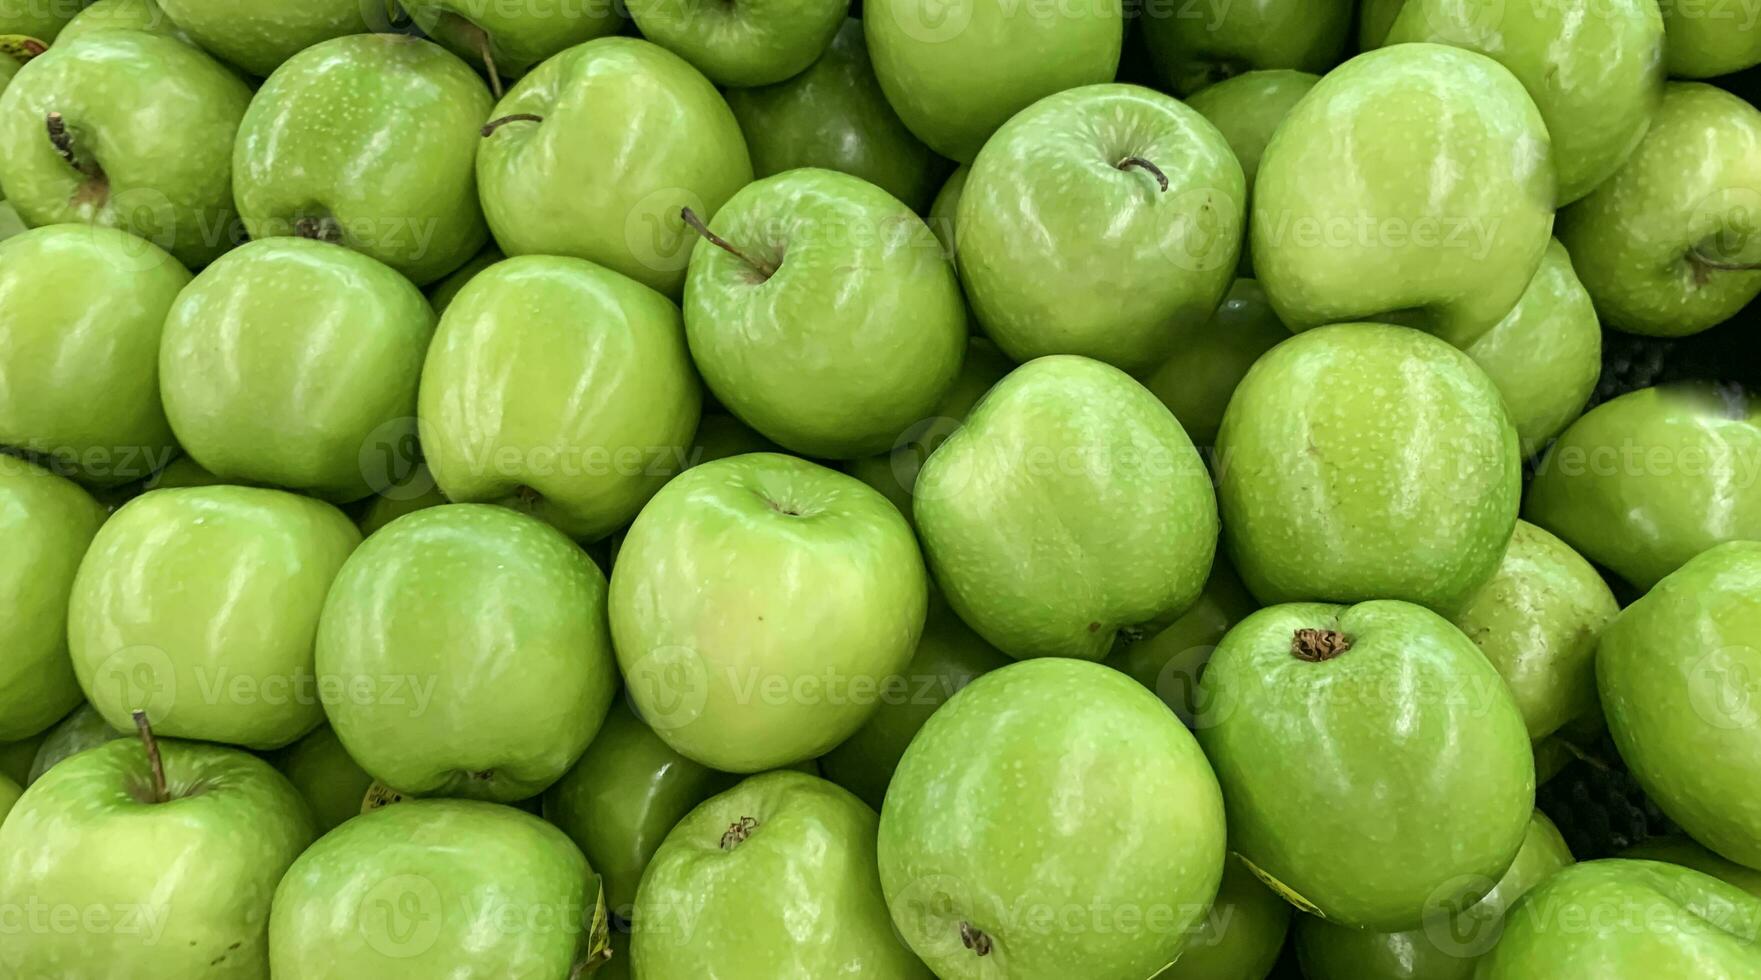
(258, 35)
(742, 45)
(442, 293)
(1666, 246)
(369, 141)
(471, 652)
(560, 387)
(944, 209)
(168, 878)
(1446, 946)
(333, 784)
(1593, 67)
(956, 71)
(773, 878)
(1171, 661)
(1099, 221)
(1415, 179)
(830, 321)
(9, 67)
(46, 522)
(428, 888)
(510, 39)
(1642, 483)
(1350, 741)
(38, 19)
(1348, 472)
(1683, 851)
(128, 15)
(1705, 40)
(1247, 109)
(655, 134)
(758, 605)
(1213, 355)
(834, 116)
(949, 656)
(84, 728)
(1197, 45)
(1125, 858)
(1628, 920)
(199, 605)
(1240, 937)
(128, 130)
(1680, 679)
(292, 362)
(416, 491)
(1078, 445)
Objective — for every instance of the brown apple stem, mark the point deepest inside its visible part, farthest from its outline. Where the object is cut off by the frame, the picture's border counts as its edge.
(1318, 646)
(160, 793)
(1704, 265)
(317, 229)
(489, 64)
(492, 125)
(975, 939)
(737, 832)
(1161, 178)
(696, 224)
(62, 141)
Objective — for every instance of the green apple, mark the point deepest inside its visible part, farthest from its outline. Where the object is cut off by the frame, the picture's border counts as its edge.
(415, 491)
(331, 782)
(720, 436)
(147, 861)
(1099, 221)
(1240, 937)
(1709, 39)
(1680, 679)
(292, 363)
(944, 209)
(834, 116)
(431, 888)
(47, 522)
(742, 45)
(1077, 444)
(1593, 67)
(779, 648)
(955, 71)
(1628, 920)
(1213, 355)
(1364, 461)
(560, 387)
(10, 224)
(469, 649)
(821, 312)
(1414, 180)
(1349, 742)
(1125, 858)
(1446, 946)
(654, 133)
(949, 656)
(1667, 246)
(258, 35)
(442, 293)
(41, 20)
(1247, 109)
(128, 130)
(199, 606)
(1172, 661)
(1645, 482)
(773, 878)
(1374, 18)
(9, 67)
(84, 728)
(510, 39)
(10, 791)
(15, 757)
(129, 15)
(395, 180)
(1197, 45)
(1683, 851)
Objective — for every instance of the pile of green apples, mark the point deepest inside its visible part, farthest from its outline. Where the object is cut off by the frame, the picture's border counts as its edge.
(530, 489)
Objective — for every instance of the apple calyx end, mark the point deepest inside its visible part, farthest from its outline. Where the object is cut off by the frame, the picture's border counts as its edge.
(317, 230)
(61, 138)
(157, 793)
(1318, 646)
(764, 269)
(1145, 165)
(492, 125)
(975, 939)
(737, 833)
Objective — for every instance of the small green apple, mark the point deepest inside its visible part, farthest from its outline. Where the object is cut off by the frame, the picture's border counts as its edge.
(1247, 109)
(415, 491)
(1414, 180)
(1212, 356)
(821, 312)
(742, 45)
(1704, 40)
(258, 35)
(1197, 45)
(464, 652)
(1374, 18)
(442, 293)
(720, 436)
(1683, 851)
(84, 728)
(41, 20)
(944, 209)
(333, 784)
(15, 757)
(510, 39)
(560, 387)
(129, 15)
(654, 133)
(1172, 661)
(1125, 858)
(1240, 937)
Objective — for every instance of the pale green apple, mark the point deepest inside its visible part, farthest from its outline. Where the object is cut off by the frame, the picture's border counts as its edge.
(199, 605)
(130, 15)
(559, 387)
(1374, 766)
(1709, 39)
(758, 605)
(370, 141)
(293, 363)
(1645, 482)
(129, 130)
(9, 66)
(1170, 662)
(1415, 180)
(442, 293)
(955, 71)
(1121, 859)
(258, 35)
(834, 116)
(84, 728)
(1683, 851)
(746, 44)
(430, 888)
(510, 39)
(333, 785)
(1199, 44)
(1212, 356)
(654, 133)
(41, 20)
(1100, 221)
(416, 491)
(1667, 246)
(469, 652)
(1075, 444)
(1247, 109)
(1240, 937)
(47, 522)
(10, 224)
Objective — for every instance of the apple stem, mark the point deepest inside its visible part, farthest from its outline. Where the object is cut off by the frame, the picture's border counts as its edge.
(492, 125)
(1318, 646)
(1161, 178)
(62, 140)
(696, 224)
(160, 794)
(1704, 265)
(489, 64)
(975, 939)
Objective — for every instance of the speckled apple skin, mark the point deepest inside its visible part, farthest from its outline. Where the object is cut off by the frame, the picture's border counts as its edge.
(1242, 935)
(258, 37)
(1213, 356)
(1365, 461)
(1070, 505)
(1706, 47)
(761, 42)
(519, 35)
(1375, 785)
(1064, 812)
